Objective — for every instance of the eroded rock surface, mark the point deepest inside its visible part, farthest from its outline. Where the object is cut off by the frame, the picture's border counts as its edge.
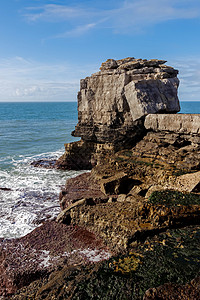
(111, 101)
(177, 123)
(117, 208)
(112, 105)
(173, 291)
(48, 248)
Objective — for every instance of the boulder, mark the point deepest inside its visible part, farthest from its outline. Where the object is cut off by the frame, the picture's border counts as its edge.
(191, 182)
(187, 183)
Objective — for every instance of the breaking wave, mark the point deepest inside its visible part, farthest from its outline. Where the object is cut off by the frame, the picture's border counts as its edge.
(29, 195)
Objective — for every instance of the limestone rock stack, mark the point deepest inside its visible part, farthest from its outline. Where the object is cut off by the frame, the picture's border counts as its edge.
(113, 102)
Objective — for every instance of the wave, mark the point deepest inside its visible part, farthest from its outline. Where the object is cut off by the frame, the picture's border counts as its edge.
(29, 195)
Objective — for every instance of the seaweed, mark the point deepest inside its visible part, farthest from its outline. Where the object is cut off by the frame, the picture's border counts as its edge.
(174, 198)
(172, 256)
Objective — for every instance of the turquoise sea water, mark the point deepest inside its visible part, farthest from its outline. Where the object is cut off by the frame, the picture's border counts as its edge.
(29, 132)
(190, 107)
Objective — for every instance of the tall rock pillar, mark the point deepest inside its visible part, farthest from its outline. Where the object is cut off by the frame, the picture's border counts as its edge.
(112, 105)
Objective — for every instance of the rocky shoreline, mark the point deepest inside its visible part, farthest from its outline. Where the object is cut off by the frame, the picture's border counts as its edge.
(129, 228)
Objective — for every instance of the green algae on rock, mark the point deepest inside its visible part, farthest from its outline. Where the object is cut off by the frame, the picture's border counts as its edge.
(174, 198)
(172, 256)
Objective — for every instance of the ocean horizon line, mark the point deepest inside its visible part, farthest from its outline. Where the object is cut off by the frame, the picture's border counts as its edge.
(63, 101)
(60, 101)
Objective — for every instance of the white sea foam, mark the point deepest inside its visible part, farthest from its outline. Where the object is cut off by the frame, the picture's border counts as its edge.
(31, 195)
(45, 258)
(95, 255)
(92, 255)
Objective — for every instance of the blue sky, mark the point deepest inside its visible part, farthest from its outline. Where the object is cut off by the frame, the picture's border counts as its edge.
(48, 46)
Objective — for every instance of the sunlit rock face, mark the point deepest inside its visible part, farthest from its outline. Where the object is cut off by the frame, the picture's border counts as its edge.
(112, 103)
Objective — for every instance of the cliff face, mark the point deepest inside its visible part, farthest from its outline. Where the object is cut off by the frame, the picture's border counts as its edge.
(112, 105)
(111, 101)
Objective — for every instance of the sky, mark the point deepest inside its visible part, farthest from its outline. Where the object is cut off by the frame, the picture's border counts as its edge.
(47, 46)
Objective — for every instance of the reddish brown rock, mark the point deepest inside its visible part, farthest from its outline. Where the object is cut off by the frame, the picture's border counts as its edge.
(169, 291)
(44, 163)
(42, 251)
(82, 186)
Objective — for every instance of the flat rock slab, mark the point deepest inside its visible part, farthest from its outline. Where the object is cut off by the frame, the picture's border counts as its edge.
(42, 251)
(82, 186)
(189, 182)
(180, 123)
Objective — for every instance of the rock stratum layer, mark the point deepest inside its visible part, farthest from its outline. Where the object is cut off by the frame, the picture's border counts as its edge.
(179, 123)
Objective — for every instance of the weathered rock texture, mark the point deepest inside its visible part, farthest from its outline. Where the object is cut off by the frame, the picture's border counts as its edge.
(111, 101)
(44, 250)
(112, 104)
(173, 291)
(166, 158)
(172, 256)
(177, 123)
(84, 155)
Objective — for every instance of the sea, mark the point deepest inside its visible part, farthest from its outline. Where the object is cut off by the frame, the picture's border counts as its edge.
(30, 131)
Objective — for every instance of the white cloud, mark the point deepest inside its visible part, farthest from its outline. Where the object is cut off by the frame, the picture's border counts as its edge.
(26, 80)
(142, 13)
(189, 75)
(77, 31)
(54, 12)
(129, 16)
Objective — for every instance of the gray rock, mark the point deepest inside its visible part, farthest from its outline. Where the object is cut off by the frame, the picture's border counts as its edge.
(109, 64)
(179, 123)
(152, 96)
(112, 102)
(112, 105)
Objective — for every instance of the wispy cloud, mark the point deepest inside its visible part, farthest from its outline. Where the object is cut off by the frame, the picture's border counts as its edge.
(54, 12)
(24, 79)
(127, 16)
(27, 80)
(189, 75)
(138, 15)
(77, 31)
